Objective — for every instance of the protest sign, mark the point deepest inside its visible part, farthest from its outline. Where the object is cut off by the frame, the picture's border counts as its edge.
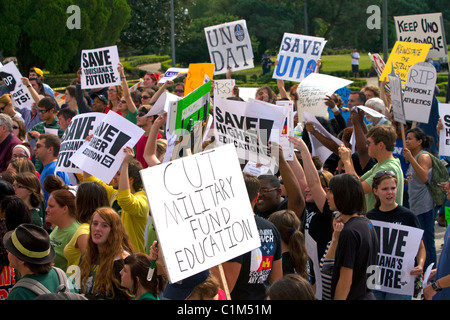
(246, 93)
(397, 98)
(203, 200)
(288, 128)
(423, 28)
(102, 156)
(398, 246)
(297, 56)
(172, 74)
(312, 92)
(224, 87)
(419, 91)
(403, 56)
(20, 95)
(198, 74)
(80, 127)
(162, 104)
(378, 65)
(249, 126)
(311, 249)
(229, 46)
(99, 68)
(444, 134)
(194, 106)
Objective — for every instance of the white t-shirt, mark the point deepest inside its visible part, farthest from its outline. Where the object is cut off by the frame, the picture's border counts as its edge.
(355, 58)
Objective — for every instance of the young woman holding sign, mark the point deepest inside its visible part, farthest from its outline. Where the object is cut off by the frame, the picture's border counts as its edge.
(386, 209)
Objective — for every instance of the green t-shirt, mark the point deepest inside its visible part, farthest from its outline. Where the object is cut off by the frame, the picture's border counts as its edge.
(59, 238)
(132, 116)
(392, 164)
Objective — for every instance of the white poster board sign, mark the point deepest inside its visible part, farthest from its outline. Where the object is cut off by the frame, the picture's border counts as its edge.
(397, 97)
(249, 126)
(224, 87)
(201, 211)
(20, 95)
(80, 127)
(444, 134)
(297, 56)
(173, 73)
(102, 156)
(398, 246)
(99, 68)
(229, 45)
(312, 92)
(419, 91)
(288, 128)
(423, 28)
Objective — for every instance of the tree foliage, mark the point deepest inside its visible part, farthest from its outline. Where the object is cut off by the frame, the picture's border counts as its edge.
(36, 33)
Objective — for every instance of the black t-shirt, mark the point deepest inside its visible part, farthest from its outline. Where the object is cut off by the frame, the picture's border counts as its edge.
(399, 215)
(256, 265)
(357, 250)
(288, 264)
(319, 225)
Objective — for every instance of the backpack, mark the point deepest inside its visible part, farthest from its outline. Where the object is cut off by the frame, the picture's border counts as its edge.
(439, 175)
(61, 293)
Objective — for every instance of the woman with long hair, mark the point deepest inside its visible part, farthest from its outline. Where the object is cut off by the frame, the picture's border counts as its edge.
(100, 265)
(27, 187)
(419, 174)
(387, 209)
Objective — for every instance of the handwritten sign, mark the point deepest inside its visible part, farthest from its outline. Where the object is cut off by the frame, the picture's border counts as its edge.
(99, 68)
(80, 127)
(444, 134)
(298, 56)
(224, 87)
(419, 91)
(102, 156)
(398, 246)
(403, 56)
(249, 126)
(198, 74)
(397, 98)
(313, 90)
(203, 200)
(172, 74)
(288, 128)
(20, 95)
(229, 46)
(423, 28)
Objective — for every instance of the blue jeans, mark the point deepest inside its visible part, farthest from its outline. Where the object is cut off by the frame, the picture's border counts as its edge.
(427, 221)
(381, 295)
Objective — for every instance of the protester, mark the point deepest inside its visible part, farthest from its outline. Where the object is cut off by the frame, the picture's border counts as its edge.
(70, 100)
(65, 115)
(21, 151)
(386, 209)
(61, 214)
(266, 94)
(146, 123)
(37, 73)
(19, 129)
(125, 106)
(15, 212)
(100, 265)
(358, 243)
(28, 188)
(7, 141)
(291, 287)
(6, 107)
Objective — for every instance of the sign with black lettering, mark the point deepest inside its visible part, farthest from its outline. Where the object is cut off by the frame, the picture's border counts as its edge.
(201, 211)
(20, 95)
(419, 91)
(298, 56)
(397, 98)
(80, 127)
(398, 246)
(102, 156)
(249, 126)
(229, 46)
(99, 68)
(423, 28)
(444, 135)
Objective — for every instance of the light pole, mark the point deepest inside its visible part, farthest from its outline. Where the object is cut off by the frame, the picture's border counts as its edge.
(385, 31)
(172, 32)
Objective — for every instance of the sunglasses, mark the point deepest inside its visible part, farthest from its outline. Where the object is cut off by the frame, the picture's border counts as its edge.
(380, 174)
(122, 101)
(145, 97)
(15, 127)
(142, 112)
(179, 90)
(43, 111)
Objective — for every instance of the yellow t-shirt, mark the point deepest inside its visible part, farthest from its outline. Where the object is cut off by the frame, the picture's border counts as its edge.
(71, 252)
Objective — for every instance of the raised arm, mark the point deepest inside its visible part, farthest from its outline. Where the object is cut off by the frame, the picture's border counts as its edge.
(33, 92)
(126, 91)
(150, 146)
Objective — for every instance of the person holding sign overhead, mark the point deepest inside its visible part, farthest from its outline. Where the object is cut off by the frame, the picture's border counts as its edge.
(126, 106)
(388, 210)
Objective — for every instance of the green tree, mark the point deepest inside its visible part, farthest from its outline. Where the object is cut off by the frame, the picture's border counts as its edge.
(35, 32)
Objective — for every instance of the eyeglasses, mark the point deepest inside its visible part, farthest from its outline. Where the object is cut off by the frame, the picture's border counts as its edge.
(112, 90)
(145, 97)
(142, 112)
(15, 127)
(43, 110)
(263, 191)
(379, 174)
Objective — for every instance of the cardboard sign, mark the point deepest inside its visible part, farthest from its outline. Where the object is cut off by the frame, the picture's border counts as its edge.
(229, 46)
(102, 156)
(80, 127)
(99, 68)
(378, 65)
(403, 56)
(288, 128)
(419, 91)
(194, 106)
(198, 74)
(20, 95)
(298, 56)
(201, 211)
(312, 92)
(444, 134)
(172, 74)
(398, 246)
(249, 126)
(397, 98)
(224, 87)
(423, 28)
